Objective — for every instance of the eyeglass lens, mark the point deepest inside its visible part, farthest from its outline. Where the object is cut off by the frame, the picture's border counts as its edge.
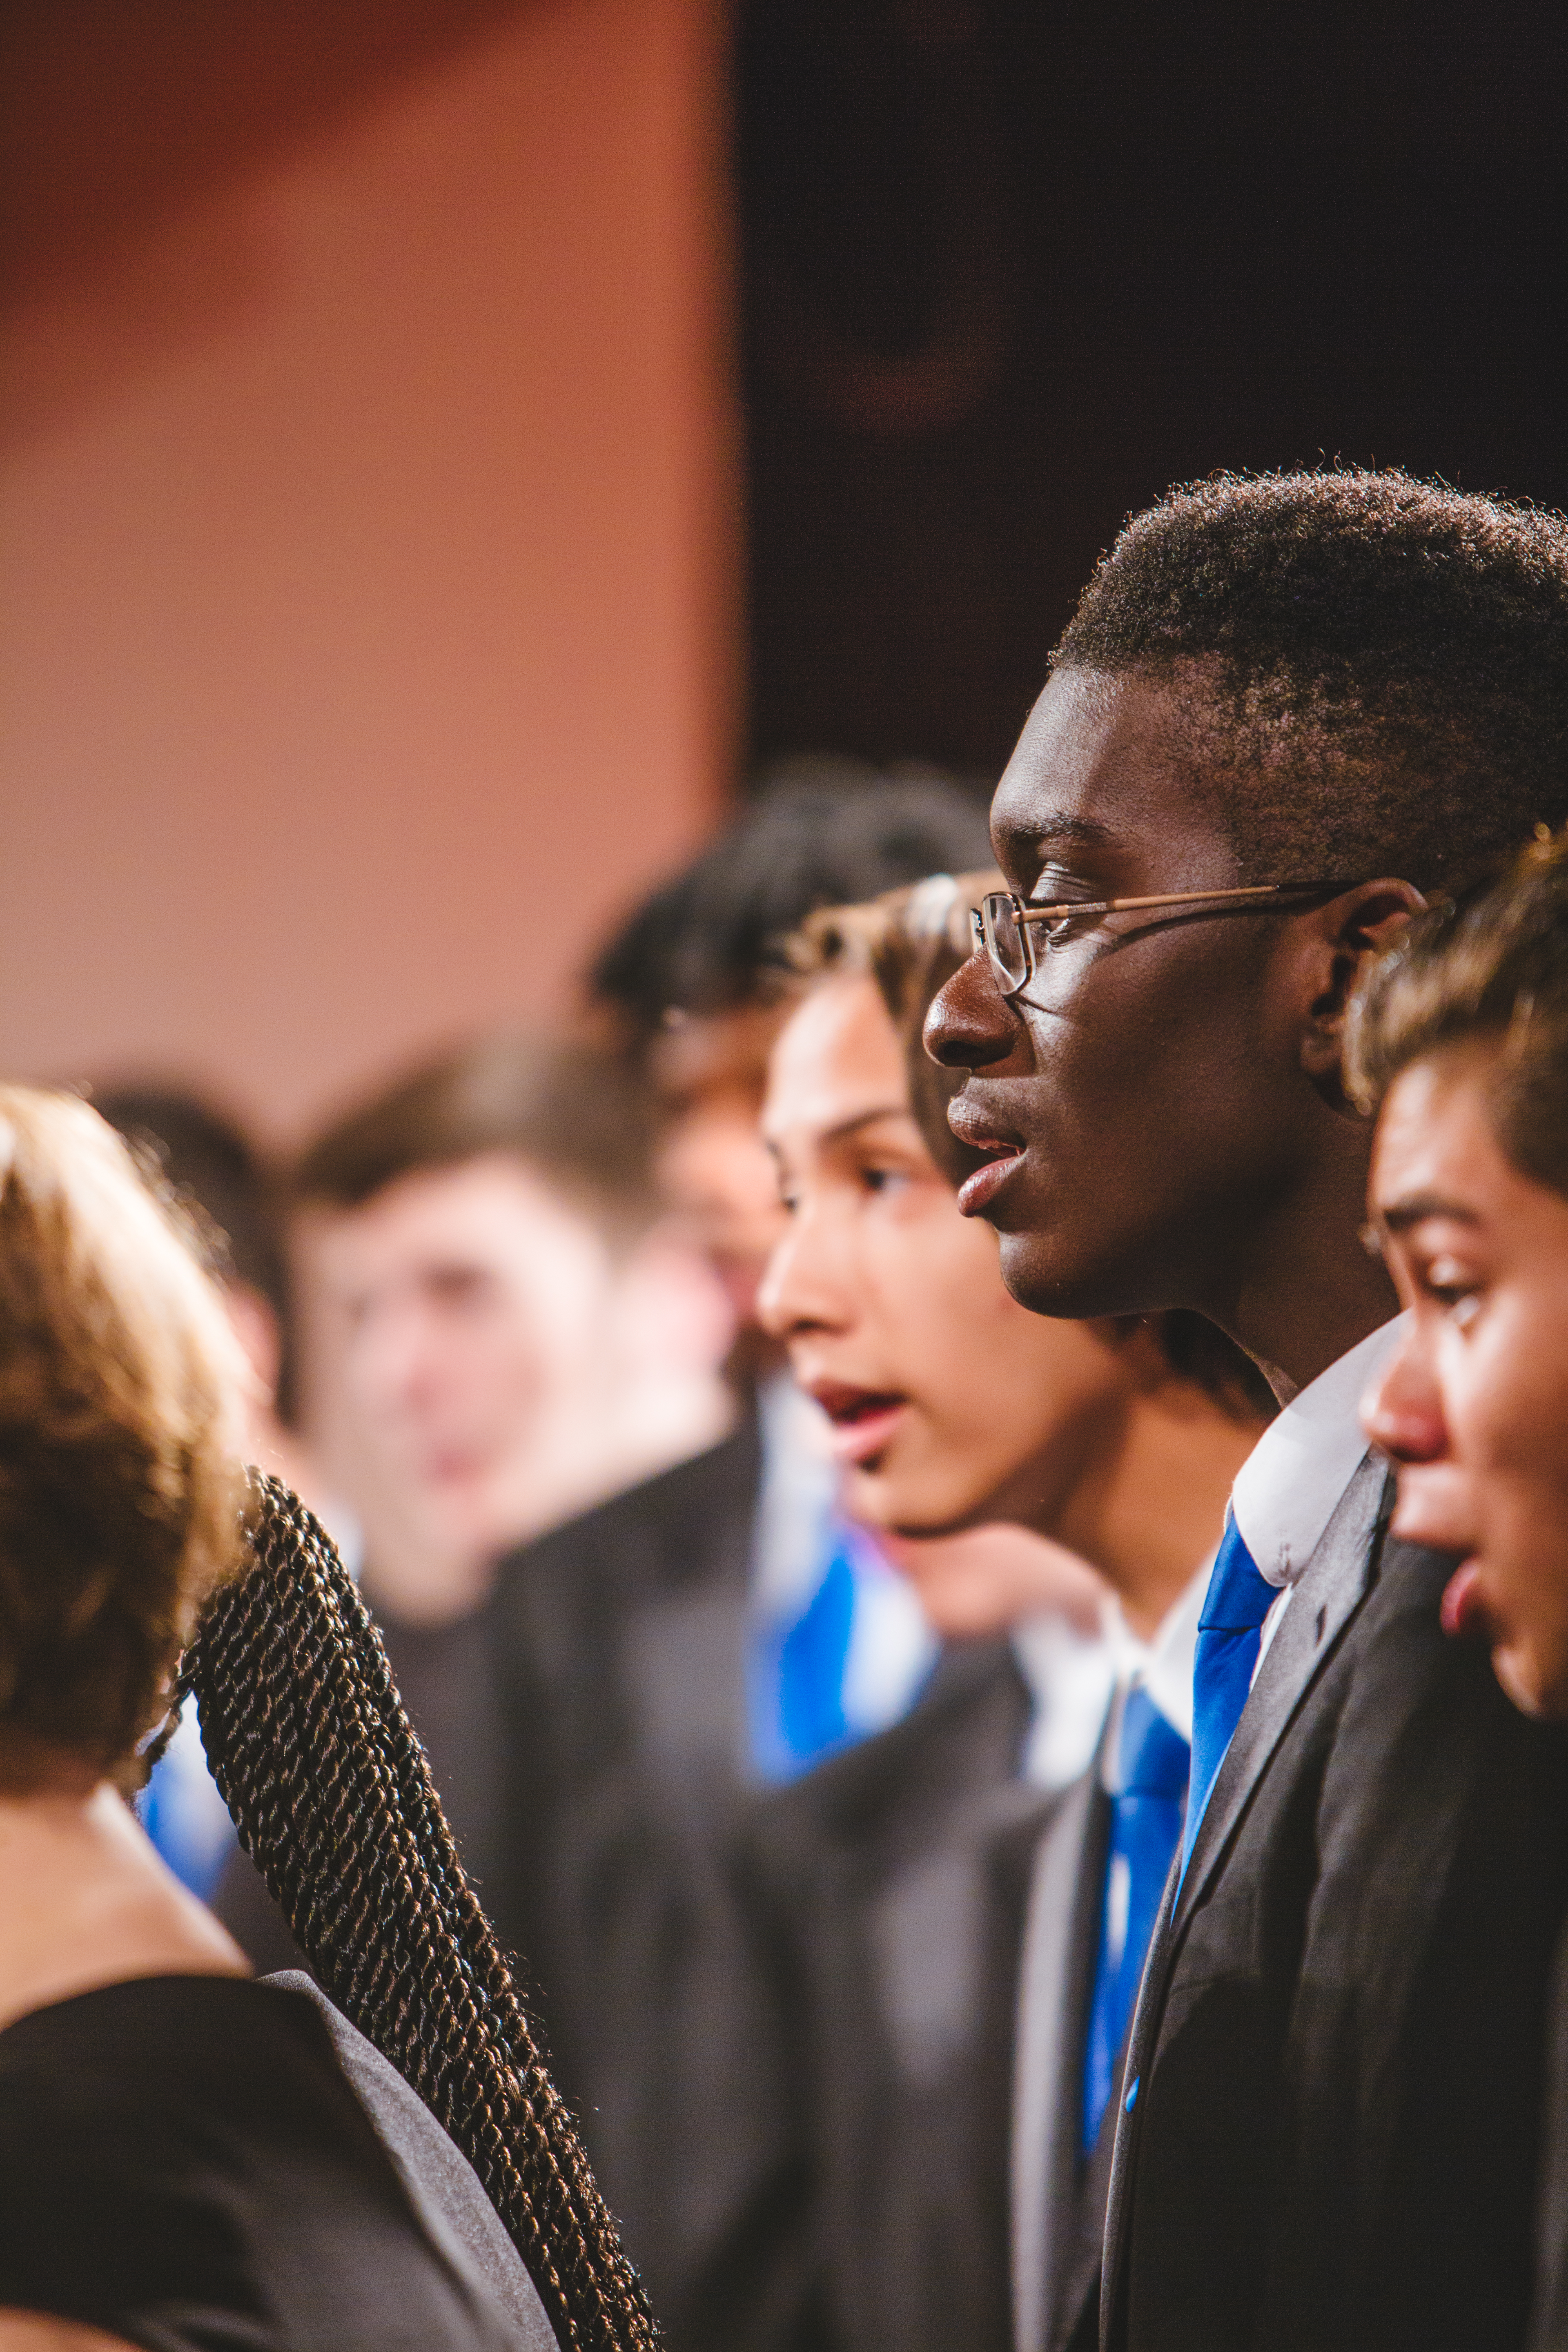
(1049, 958)
(1005, 939)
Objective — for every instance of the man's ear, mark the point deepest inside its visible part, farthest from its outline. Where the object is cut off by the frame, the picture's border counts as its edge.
(1349, 934)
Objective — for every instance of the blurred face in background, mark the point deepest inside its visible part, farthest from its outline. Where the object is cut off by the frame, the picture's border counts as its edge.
(950, 1404)
(480, 1342)
(1474, 1407)
(710, 1070)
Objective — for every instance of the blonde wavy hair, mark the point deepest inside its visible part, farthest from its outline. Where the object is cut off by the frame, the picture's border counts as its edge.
(122, 1391)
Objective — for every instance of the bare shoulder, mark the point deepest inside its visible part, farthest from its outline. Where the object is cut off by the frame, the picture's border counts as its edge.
(85, 1902)
(28, 2331)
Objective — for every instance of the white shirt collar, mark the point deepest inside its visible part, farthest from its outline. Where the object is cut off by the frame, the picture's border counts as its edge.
(1287, 1489)
(1070, 1676)
(1163, 1665)
(1076, 1677)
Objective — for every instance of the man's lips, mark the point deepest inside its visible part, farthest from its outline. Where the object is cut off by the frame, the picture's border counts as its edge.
(451, 1467)
(976, 1192)
(1002, 1154)
(862, 1420)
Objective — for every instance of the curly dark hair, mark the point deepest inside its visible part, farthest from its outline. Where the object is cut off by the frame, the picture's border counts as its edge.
(220, 1176)
(334, 1800)
(820, 832)
(1377, 666)
(1490, 971)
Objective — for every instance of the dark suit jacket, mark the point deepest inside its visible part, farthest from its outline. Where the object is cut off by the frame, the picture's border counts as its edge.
(1340, 2044)
(887, 1890)
(1058, 2194)
(443, 2187)
(1549, 2330)
(619, 1644)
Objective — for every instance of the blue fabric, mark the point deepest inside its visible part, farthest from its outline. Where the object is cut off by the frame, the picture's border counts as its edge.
(1230, 1632)
(812, 1657)
(797, 1671)
(1146, 1821)
(181, 1813)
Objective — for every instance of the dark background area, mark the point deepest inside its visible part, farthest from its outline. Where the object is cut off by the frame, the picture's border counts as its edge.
(1009, 270)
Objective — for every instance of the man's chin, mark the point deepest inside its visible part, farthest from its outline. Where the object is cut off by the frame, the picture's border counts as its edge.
(1534, 1693)
(1530, 1663)
(1046, 1279)
(1533, 1667)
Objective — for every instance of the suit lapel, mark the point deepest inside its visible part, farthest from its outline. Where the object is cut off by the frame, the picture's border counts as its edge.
(1330, 1590)
(1327, 1595)
(1068, 1864)
(1079, 2275)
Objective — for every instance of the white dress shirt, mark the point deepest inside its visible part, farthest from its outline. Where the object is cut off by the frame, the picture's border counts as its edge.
(1070, 1676)
(1077, 1678)
(1162, 1665)
(1290, 1485)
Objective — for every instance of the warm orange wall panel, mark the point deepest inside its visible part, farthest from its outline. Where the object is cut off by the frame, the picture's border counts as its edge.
(365, 573)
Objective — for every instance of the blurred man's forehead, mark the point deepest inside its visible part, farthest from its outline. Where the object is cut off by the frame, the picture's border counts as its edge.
(459, 1210)
(838, 1063)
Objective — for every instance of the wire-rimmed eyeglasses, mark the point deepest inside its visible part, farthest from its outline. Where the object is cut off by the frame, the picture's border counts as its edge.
(1002, 926)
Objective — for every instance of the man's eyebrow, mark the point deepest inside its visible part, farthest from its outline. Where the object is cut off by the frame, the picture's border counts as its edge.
(1057, 824)
(1086, 832)
(1030, 840)
(1414, 1208)
(847, 1126)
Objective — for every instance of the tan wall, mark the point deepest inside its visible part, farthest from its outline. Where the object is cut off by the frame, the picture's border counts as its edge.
(365, 564)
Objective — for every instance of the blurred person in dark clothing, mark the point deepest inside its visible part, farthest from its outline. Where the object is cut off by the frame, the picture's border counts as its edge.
(985, 1873)
(501, 1327)
(222, 1177)
(691, 985)
(722, 1625)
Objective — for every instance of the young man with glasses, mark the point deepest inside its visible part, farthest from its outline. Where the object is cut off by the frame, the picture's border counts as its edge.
(1288, 712)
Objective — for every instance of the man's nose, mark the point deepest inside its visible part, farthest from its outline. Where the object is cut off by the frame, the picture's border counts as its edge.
(804, 1287)
(389, 1361)
(1402, 1412)
(775, 1310)
(969, 1023)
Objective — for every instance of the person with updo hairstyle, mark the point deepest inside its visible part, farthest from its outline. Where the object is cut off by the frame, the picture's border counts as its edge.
(185, 2162)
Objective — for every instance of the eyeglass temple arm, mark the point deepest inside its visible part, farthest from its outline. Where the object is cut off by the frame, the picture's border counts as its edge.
(1166, 899)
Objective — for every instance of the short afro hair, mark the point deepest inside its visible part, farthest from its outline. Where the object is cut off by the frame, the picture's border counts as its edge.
(1376, 667)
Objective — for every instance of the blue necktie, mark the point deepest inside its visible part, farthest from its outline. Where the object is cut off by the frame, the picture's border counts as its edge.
(1229, 1632)
(811, 1664)
(1146, 1821)
(795, 1669)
